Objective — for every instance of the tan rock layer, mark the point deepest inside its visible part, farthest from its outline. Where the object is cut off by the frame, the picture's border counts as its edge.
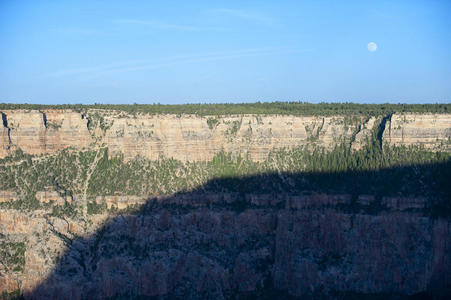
(37, 132)
(8, 196)
(195, 138)
(313, 200)
(433, 131)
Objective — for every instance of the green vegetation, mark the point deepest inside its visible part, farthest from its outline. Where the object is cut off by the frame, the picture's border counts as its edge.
(15, 295)
(67, 171)
(53, 125)
(67, 210)
(12, 254)
(97, 120)
(281, 108)
(235, 126)
(212, 123)
(113, 176)
(95, 208)
(313, 132)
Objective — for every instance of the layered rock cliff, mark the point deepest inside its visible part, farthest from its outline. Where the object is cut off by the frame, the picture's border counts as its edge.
(430, 130)
(195, 138)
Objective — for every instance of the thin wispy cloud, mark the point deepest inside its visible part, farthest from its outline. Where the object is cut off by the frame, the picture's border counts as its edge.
(80, 31)
(195, 59)
(142, 65)
(158, 25)
(87, 70)
(242, 14)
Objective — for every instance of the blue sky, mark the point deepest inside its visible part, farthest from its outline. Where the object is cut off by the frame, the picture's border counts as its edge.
(229, 51)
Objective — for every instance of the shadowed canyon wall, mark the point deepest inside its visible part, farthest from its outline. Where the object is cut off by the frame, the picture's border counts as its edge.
(240, 243)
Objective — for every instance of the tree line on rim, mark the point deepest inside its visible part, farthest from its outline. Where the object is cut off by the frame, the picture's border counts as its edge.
(280, 108)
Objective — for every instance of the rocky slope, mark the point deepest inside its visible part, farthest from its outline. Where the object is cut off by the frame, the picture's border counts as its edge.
(199, 247)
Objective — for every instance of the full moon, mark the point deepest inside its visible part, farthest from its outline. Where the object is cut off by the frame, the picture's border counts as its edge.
(372, 46)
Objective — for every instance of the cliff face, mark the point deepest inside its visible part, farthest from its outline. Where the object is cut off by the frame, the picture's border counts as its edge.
(37, 133)
(433, 131)
(194, 138)
(310, 246)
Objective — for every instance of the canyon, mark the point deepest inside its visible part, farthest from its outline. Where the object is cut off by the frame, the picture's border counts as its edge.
(176, 224)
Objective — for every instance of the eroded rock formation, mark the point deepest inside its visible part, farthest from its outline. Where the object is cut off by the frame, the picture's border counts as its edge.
(433, 131)
(195, 138)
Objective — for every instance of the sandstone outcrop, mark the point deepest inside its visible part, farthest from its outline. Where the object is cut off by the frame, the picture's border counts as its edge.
(42, 132)
(433, 131)
(195, 138)
(8, 196)
(190, 138)
(52, 197)
(364, 134)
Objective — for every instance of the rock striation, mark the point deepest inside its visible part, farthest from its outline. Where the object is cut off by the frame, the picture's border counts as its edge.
(196, 138)
(433, 131)
(42, 132)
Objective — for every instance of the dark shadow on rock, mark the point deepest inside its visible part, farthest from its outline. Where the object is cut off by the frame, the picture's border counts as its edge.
(353, 235)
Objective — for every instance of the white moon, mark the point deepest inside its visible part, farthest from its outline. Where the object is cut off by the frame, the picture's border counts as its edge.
(372, 46)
